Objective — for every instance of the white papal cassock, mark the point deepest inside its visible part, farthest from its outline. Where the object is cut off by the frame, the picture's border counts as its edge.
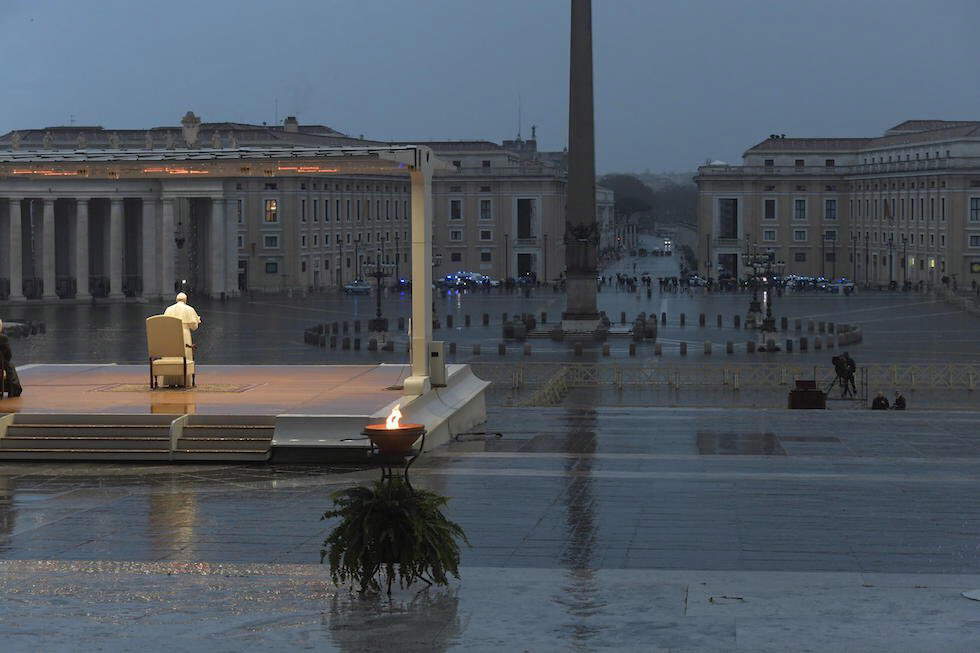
(191, 321)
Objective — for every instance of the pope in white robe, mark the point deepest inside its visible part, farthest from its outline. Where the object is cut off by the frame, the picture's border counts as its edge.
(191, 321)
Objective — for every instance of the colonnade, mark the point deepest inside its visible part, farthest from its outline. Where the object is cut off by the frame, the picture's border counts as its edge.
(120, 246)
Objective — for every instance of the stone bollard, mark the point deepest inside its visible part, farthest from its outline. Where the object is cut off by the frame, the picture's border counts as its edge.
(486, 319)
(737, 322)
(649, 293)
(682, 319)
(750, 346)
(719, 320)
(476, 350)
(452, 349)
(784, 323)
(373, 344)
(707, 347)
(333, 342)
(803, 343)
(683, 349)
(501, 349)
(605, 349)
(663, 318)
(357, 326)
(817, 343)
(527, 349)
(401, 324)
(701, 320)
(544, 317)
(789, 345)
(466, 320)
(632, 349)
(357, 344)
(729, 347)
(577, 348)
(658, 349)
(797, 325)
(449, 321)
(622, 317)
(822, 327)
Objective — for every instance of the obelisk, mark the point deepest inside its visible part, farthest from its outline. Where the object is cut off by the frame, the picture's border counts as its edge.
(581, 317)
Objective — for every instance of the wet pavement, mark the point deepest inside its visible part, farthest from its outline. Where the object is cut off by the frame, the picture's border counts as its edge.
(606, 528)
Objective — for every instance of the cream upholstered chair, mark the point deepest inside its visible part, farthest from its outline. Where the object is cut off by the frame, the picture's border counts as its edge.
(167, 349)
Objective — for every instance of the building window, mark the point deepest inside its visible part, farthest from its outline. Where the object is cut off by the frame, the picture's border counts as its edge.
(316, 240)
(455, 189)
(271, 186)
(486, 234)
(769, 234)
(769, 210)
(270, 242)
(302, 240)
(830, 209)
(348, 210)
(484, 189)
(942, 208)
(974, 241)
(357, 207)
(316, 210)
(799, 257)
(271, 267)
(387, 209)
(485, 163)
(457, 163)
(302, 210)
(728, 218)
(348, 239)
(799, 209)
(456, 257)
(769, 163)
(975, 209)
(272, 210)
(405, 208)
(240, 211)
(830, 234)
(486, 256)
(799, 234)
(798, 163)
(302, 266)
(456, 234)
(241, 241)
(830, 163)
(486, 210)
(455, 209)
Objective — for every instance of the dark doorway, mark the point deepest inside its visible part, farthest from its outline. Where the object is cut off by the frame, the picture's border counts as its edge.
(728, 218)
(525, 218)
(525, 264)
(243, 275)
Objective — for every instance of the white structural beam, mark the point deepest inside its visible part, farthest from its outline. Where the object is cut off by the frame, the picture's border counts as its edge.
(418, 383)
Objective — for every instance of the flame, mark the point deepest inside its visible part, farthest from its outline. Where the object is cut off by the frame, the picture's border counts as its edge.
(393, 419)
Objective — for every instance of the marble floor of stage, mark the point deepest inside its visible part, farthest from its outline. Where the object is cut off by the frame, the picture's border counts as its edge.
(221, 390)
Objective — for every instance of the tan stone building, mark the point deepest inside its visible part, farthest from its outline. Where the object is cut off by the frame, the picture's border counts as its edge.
(902, 206)
(498, 209)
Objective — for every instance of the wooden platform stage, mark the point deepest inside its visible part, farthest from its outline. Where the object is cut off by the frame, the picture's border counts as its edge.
(221, 390)
(246, 413)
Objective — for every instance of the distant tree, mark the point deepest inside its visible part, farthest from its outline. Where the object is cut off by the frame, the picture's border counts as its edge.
(632, 195)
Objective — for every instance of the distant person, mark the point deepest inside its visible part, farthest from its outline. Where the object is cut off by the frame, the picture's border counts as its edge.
(851, 369)
(840, 371)
(899, 402)
(879, 402)
(12, 383)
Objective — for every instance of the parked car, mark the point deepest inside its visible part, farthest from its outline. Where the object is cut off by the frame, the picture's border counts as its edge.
(358, 287)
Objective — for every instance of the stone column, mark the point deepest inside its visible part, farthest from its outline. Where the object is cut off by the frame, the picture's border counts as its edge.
(115, 248)
(216, 259)
(419, 382)
(167, 248)
(231, 247)
(47, 251)
(149, 264)
(16, 251)
(81, 249)
(581, 231)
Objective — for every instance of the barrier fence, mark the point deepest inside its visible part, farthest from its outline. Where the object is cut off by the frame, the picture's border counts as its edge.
(549, 382)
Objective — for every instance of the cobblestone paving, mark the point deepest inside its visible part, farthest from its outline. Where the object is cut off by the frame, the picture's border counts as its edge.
(618, 528)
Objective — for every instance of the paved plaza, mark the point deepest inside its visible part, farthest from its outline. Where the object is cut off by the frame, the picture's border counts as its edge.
(591, 528)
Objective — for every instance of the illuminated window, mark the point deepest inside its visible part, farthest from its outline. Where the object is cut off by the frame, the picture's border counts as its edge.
(272, 210)
(769, 210)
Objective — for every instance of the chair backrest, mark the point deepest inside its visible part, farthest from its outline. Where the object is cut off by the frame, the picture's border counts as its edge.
(165, 336)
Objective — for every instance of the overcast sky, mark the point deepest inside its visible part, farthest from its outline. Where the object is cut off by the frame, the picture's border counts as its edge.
(676, 81)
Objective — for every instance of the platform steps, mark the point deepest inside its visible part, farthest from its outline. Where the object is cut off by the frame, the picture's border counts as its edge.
(135, 438)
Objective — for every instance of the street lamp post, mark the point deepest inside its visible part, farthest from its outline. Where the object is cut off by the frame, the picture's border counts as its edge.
(905, 261)
(397, 257)
(854, 257)
(357, 258)
(891, 260)
(378, 324)
(867, 258)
